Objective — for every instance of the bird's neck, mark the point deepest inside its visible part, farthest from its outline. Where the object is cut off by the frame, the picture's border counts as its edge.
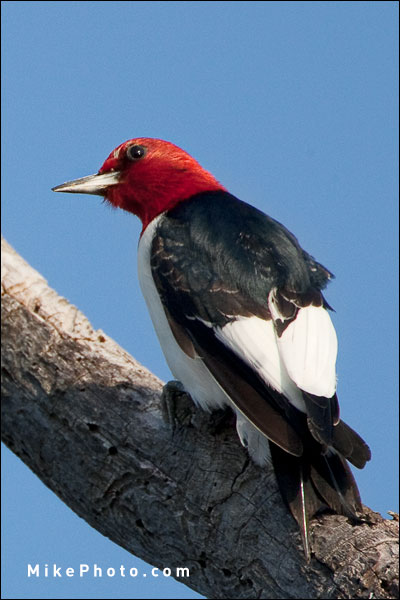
(148, 198)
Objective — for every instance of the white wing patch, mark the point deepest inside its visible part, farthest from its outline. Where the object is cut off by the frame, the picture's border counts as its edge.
(308, 348)
(253, 339)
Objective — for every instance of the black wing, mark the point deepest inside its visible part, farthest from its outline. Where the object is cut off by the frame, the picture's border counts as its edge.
(214, 259)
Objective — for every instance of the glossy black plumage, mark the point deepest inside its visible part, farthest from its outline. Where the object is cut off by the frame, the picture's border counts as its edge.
(215, 259)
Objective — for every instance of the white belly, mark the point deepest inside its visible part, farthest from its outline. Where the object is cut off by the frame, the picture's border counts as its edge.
(191, 372)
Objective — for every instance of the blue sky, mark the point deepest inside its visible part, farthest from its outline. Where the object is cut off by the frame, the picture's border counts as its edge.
(293, 107)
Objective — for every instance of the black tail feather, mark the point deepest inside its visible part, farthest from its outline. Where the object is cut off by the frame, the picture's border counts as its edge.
(294, 481)
(316, 481)
(333, 480)
(350, 445)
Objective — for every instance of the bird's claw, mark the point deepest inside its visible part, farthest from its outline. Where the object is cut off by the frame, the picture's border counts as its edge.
(176, 404)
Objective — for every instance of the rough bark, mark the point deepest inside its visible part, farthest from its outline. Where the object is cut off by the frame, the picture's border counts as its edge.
(87, 419)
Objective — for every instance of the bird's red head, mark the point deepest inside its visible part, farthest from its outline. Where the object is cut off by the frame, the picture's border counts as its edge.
(146, 176)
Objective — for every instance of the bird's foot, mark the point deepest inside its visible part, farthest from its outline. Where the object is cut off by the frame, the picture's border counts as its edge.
(222, 419)
(176, 405)
(178, 408)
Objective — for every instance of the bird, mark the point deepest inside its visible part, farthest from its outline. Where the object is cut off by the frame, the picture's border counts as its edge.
(239, 311)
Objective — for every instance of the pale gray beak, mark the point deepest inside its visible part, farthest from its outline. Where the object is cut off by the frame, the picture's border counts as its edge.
(92, 184)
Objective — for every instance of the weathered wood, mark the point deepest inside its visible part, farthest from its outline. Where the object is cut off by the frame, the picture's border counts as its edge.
(86, 418)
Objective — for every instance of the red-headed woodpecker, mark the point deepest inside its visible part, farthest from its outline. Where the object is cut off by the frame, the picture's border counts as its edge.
(238, 309)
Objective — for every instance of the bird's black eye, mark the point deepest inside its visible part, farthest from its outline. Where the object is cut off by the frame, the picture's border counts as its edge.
(136, 152)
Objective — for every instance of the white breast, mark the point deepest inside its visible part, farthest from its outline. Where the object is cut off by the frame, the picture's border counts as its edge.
(191, 372)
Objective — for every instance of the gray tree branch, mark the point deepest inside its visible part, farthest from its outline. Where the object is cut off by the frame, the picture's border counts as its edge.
(86, 418)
